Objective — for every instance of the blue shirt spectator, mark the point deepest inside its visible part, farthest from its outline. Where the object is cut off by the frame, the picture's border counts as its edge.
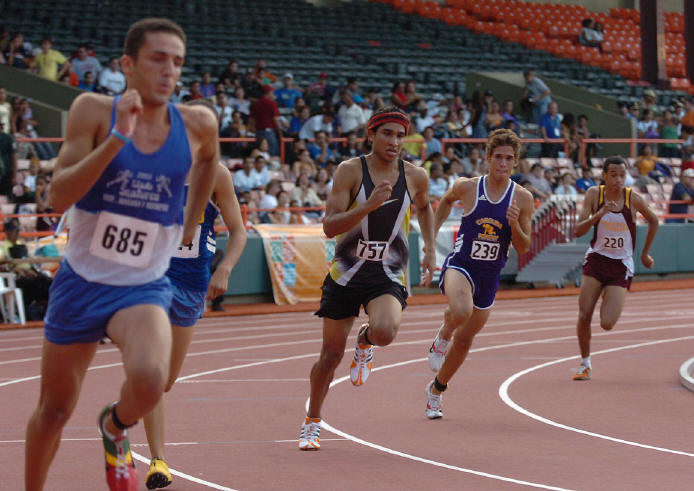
(287, 95)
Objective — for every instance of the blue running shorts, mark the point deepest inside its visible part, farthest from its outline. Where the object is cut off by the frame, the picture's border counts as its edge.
(187, 306)
(484, 285)
(79, 310)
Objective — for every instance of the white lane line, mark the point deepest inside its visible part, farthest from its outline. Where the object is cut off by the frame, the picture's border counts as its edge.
(503, 394)
(188, 477)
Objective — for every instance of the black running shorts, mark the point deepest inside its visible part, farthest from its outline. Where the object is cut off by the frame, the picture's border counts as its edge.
(340, 302)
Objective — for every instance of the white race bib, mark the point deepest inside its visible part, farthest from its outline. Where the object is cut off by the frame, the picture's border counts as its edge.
(123, 239)
(484, 251)
(372, 250)
(190, 251)
(612, 242)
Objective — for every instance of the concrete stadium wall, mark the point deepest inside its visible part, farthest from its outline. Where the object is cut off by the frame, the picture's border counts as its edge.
(49, 100)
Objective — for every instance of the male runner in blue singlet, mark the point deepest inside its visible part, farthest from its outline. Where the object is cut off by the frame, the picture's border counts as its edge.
(369, 210)
(123, 166)
(610, 209)
(496, 213)
(189, 274)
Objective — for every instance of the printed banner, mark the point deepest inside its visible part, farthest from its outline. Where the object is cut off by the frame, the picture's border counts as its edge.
(298, 258)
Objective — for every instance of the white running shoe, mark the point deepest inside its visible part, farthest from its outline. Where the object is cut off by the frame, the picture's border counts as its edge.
(433, 403)
(362, 363)
(437, 352)
(310, 433)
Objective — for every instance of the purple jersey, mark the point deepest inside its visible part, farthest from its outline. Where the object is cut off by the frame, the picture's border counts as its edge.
(484, 234)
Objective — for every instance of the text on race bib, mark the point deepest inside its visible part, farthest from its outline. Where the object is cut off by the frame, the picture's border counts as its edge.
(372, 250)
(191, 250)
(613, 242)
(124, 240)
(484, 251)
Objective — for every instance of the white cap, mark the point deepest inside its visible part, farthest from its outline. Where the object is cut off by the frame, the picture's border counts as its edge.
(688, 172)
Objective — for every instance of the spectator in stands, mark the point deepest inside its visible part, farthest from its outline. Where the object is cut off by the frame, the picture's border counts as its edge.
(648, 126)
(264, 119)
(319, 91)
(178, 93)
(550, 125)
(352, 87)
(413, 144)
(623, 108)
(84, 63)
(350, 148)
(243, 180)
(423, 118)
(589, 35)
(668, 131)
(682, 191)
(538, 95)
(493, 119)
(287, 94)
(536, 178)
(224, 112)
(260, 173)
(570, 134)
(18, 52)
(262, 74)
(472, 164)
(25, 150)
(454, 171)
(646, 160)
(431, 145)
(586, 181)
(507, 113)
(320, 148)
(688, 118)
(43, 204)
(397, 96)
(262, 148)
(303, 164)
(453, 127)
(305, 194)
(207, 88)
(634, 112)
(323, 184)
(231, 77)
(50, 63)
(24, 112)
(8, 159)
(350, 116)
(111, 79)
(566, 186)
(650, 100)
(5, 113)
(240, 103)
(301, 115)
(269, 200)
(438, 184)
(194, 90)
(30, 180)
(88, 82)
(582, 132)
(236, 129)
(319, 122)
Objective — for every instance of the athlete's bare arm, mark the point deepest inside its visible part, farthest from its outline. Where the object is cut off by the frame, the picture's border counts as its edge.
(587, 218)
(519, 215)
(425, 216)
(461, 187)
(338, 219)
(231, 214)
(202, 128)
(81, 161)
(639, 204)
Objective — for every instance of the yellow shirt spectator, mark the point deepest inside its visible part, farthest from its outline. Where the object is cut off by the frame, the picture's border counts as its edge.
(48, 60)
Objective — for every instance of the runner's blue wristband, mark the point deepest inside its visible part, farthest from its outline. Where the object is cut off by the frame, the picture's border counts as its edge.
(120, 136)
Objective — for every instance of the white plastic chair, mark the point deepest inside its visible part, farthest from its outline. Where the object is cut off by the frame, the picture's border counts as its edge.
(11, 299)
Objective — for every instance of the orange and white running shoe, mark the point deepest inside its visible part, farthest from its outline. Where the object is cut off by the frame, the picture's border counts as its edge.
(310, 433)
(362, 364)
(583, 373)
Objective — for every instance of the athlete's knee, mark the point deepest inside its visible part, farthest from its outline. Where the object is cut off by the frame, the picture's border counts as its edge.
(54, 414)
(584, 317)
(330, 358)
(382, 332)
(148, 382)
(607, 325)
(459, 314)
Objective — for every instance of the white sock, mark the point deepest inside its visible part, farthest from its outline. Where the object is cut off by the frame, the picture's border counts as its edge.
(586, 362)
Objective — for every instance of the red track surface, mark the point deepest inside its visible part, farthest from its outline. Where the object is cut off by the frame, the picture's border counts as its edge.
(234, 419)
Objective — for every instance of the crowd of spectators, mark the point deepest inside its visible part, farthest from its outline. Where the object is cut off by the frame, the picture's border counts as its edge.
(326, 122)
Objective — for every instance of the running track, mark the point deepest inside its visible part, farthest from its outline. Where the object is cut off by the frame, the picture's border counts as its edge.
(513, 417)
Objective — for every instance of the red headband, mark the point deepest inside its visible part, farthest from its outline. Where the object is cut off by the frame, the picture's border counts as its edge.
(391, 117)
